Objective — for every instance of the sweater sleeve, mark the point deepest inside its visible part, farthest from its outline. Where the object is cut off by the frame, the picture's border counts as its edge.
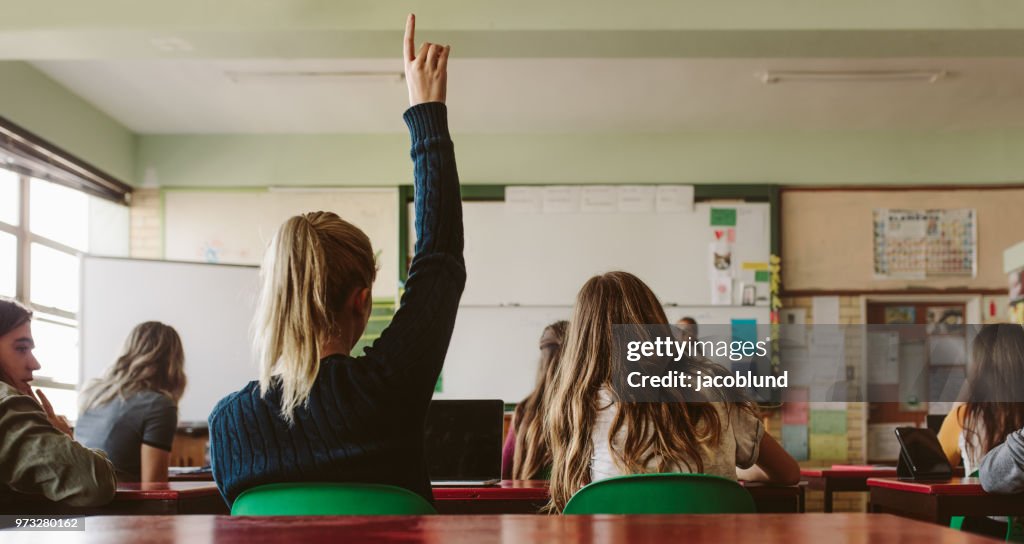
(1002, 469)
(415, 343)
(37, 458)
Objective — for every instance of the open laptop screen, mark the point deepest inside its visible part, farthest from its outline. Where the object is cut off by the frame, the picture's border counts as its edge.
(463, 439)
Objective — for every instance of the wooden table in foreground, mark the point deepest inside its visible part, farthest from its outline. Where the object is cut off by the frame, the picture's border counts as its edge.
(693, 529)
(135, 499)
(529, 496)
(938, 500)
(842, 478)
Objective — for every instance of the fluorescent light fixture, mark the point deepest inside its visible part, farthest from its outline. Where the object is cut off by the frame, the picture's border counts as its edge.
(308, 76)
(841, 76)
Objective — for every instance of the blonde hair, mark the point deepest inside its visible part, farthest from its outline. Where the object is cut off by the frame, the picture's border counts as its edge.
(313, 265)
(532, 455)
(153, 359)
(668, 433)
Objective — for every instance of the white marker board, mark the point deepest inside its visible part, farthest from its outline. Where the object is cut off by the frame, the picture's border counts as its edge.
(209, 305)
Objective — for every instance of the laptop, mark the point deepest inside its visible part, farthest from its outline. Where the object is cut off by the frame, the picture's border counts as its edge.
(463, 442)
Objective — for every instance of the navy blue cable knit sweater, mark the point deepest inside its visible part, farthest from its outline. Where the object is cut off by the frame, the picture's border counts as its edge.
(365, 416)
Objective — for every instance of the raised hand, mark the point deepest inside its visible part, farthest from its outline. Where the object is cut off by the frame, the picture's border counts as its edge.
(60, 422)
(426, 72)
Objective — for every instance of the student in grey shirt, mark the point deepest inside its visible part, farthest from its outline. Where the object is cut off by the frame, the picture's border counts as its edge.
(131, 413)
(1002, 470)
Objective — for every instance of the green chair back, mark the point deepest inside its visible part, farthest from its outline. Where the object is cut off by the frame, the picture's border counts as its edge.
(670, 493)
(329, 499)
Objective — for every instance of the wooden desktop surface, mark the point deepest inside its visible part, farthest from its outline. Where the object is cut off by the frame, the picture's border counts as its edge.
(938, 500)
(693, 529)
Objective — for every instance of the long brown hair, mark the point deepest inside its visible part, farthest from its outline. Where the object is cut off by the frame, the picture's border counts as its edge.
(668, 434)
(153, 359)
(995, 390)
(532, 454)
(314, 263)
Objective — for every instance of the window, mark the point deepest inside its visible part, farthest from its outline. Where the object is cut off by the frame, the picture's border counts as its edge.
(39, 263)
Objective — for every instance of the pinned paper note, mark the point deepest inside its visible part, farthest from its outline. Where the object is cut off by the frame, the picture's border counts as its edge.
(599, 199)
(524, 199)
(674, 198)
(561, 199)
(762, 276)
(723, 217)
(637, 198)
(721, 290)
(755, 265)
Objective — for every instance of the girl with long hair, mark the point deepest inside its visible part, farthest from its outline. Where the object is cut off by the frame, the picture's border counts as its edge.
(131, 412)
(37, 453)
(993, 404)
(316, 412)
(595, 433)
(526, 455)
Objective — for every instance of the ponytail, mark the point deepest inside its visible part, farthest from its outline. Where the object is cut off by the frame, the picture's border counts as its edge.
(314, 262)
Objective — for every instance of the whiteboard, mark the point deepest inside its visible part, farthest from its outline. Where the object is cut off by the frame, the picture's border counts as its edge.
(539, 259)
(235, 226)
(495, 349)
(209, 305)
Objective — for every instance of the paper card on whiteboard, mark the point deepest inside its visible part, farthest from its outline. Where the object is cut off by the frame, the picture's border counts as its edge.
(561, 199)
(599, 199)
(637, 198)
(721, 290)
(674, 199)
(524, 199)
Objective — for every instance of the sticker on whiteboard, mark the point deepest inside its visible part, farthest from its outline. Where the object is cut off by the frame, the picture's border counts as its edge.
(723, 217)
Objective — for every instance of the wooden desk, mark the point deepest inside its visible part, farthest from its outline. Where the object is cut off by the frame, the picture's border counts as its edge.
(188, 474)
(842, 478)
(529, 496)
(939, 500)
(135, 499)
(695, 529)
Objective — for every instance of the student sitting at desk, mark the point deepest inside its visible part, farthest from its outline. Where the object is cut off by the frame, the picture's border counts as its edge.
(317, 413)
(994, 395)
(37, 453)
(526, 455)
(131, 413)
(593, 435)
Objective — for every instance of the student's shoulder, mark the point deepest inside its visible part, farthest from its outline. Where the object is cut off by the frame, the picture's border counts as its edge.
(12, 399)
(232, 401)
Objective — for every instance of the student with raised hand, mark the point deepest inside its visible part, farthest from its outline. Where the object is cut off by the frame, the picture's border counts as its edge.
(594, 434)
(131, 413)
(37, 453)
(316, 413)
(525, 455)
(994, 397)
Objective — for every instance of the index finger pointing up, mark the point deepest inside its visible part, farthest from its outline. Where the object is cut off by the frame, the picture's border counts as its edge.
(410, 38)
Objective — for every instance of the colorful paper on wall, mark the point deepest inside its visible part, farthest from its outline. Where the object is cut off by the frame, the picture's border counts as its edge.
(795, 409)
(762, 276)
(439, 386)
(828, 422)
(828, 447)
(744, 330)
(723, 217)
(794, 441)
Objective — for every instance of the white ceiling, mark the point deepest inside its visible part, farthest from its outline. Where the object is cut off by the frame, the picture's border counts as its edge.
(549, 95)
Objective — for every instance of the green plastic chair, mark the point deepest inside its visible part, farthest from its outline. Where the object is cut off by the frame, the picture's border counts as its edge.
(1014, 525)
(330, 499)
(668, 493)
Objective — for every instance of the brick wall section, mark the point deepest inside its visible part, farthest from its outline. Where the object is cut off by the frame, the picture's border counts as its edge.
(146, 224)
(856, 412)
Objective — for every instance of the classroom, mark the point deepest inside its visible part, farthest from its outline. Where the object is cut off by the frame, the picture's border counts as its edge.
(727, 271)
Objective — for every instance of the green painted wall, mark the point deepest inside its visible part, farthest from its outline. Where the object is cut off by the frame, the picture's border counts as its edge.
(37, 103)
(811, 158)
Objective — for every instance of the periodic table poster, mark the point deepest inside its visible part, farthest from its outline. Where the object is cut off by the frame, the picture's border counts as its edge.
(917, 244)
